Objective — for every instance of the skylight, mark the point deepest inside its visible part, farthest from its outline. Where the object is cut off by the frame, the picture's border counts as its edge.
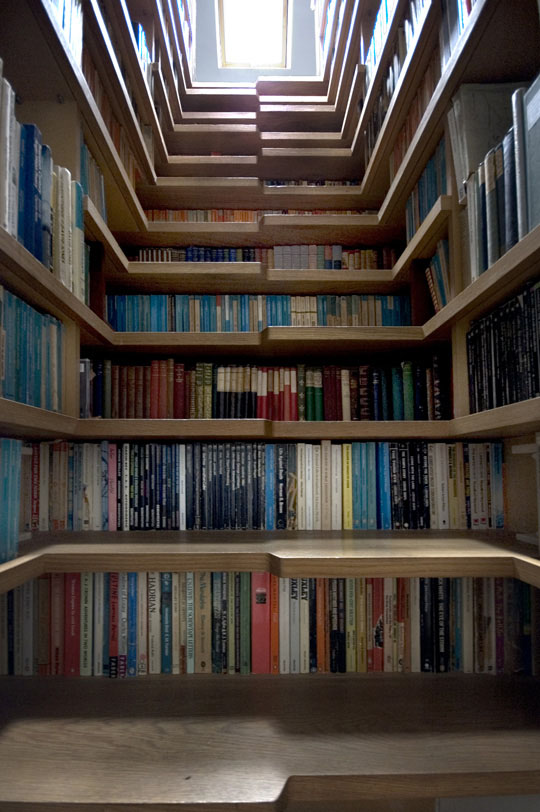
(253, 33)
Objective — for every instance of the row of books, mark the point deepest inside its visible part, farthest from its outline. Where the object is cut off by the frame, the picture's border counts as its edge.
(231, 215)
(40, 205)
(407, 31)
(129, 624)
(331, 257)
(10, 491)
(503, 352)
(430, 186)
(263, 486)
(319, 182)
(309, 257)
(246, 312)
(502, 197)
(92, 181)
(417, 108)
(371, 49)
(112, 123)
(455, 14)
(31, 348)
(168, 389)
(143, 52)
(69, 15)
(438, 276)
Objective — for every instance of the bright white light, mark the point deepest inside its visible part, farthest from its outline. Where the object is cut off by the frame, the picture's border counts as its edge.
(254, 33)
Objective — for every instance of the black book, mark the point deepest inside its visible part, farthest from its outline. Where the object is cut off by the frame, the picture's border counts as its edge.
(281, 486)
(312, 586)
(342, 637)
(426, 625)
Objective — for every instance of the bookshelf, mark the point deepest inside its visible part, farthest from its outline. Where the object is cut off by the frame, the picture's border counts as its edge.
(381, 742)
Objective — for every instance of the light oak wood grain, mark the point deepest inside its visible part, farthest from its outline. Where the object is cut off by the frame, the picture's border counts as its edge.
(255, 742)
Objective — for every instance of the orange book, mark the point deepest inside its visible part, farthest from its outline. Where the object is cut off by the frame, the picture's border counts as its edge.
(260, 622)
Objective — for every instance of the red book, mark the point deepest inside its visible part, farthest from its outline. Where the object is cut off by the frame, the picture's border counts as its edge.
(337, 395)
(378, 624)
(322, 624)
(275, 395)
(162, 390)
(154, 390)
(131, 392)
(123, 392)
(72, 624)
(170, 388)
(113, 625)
(56, 656)
(139, 391)
(260, 623)
(281, 394)
(328, 384)
(147, 391)
(274, 624)
(179, 392)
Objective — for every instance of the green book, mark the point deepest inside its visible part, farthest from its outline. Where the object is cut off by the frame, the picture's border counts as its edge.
(318, 394)
(408, 390)
(310, 393)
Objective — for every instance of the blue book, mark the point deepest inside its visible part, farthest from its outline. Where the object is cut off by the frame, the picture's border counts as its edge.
(217, 623)
(105, 485)
(356, 485)
(154, 313)
(270, 495)
(497, 496)
(397, 393)
(132, 625)
(166, 623)
(384, 517)
(46, 205)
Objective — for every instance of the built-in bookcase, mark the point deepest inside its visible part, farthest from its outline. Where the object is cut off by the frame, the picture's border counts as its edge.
(339, 740)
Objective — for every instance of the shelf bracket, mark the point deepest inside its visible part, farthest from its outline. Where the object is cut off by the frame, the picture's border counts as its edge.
(534, 450)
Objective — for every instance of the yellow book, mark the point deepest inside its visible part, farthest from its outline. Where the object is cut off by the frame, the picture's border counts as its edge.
(346, 488)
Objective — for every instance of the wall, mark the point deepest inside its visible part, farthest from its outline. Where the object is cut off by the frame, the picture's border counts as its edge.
(206, 56)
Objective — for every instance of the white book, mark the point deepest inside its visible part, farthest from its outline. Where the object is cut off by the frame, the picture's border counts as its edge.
(181, 457)
(294, 625)
(326, 485)
(301, 480)
(414, 603)
(175, 619)
(62, 234)
(87, 626)
(336, 496)
(154, 623)
(317, 487)
(190, 624)
(309, 486)
(441, 484)
(467, 621)
(483, 450)
(304, 625)
(14, 160)
(97, 624)
(284, 630)
(7, 105)
(142, 624)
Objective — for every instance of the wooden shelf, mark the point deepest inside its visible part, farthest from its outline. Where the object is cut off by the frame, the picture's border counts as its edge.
(318, 741)
(111, 75)
(121, 20)
(424, 242)
(512, 55)
(123, 203)
(506, 421)
(247, 192)
(376, 176)
(494, 286)
(30, 422)
(97, 230)
(25, 276)
(343, 553)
